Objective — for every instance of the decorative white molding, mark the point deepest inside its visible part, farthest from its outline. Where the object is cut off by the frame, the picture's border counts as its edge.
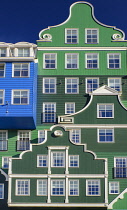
(58, 175)
(3, 173)
(105, 90)
(74, 126)
(82, 48)
(120, 196)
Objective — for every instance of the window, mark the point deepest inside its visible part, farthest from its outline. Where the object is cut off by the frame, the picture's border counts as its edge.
(105, 110)
(49, 112)
(58, 159)
(20, 97)
(49, 61)
(92, 84)
(106, 135)
(115, 83)
(49, 85)
(1, 97)
(114, 61)
(71, 85)
(120, 170)
(75, 136)
(1, 191)
(2, 52)
(57, 187)
(73, 160)
(73, 187)
(3, 140)
(69, 108)
(71, 61)
(113, 187)
(92, 61)
(5, 162)
(93, 187)
(23, 142)
(41, 136)
(42, 187)
(20, 70)
(42, 161)
(23, 52)
(92, 36)
(71, 36)
(23, 187)
(2, 70)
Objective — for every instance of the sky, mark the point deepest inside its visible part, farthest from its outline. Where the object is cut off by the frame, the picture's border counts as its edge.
(22, 20)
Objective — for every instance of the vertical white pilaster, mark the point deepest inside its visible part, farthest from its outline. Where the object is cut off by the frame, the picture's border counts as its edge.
(49, 161)
(106, 181)
(67, 160)
(49, 190)
(66, 196)
(16, 52)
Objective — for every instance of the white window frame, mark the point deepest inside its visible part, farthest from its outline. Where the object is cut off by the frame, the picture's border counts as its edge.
(1, 184)
(4, 48)
(110, 187)
(93, 180)
(52, 159)
(66, 29)
(73, 180)
(42, 156)
(71, 135)
(120, 167)
(24, 54)
(3, 161)
(20, 70)
(58, 180)
(2, 97)
(54, 104)
(69, 103)
(113, 55)
(49, 84)
(3, 64)
(44, 63)
(77, 92)
(66, 60)
(105, 135)
(106, 104)
(18, 139)
(16, 189)
(114, 78)
(73, 158)
(44, 184)
(92, 78)
(5, 140)
(42, 136)
(91, 30)
(86, 59)
(28, 95)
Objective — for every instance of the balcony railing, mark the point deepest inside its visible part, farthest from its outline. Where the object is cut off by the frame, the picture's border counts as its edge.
(3, 145)
(49, 117)
(23, 145)
(120, 172)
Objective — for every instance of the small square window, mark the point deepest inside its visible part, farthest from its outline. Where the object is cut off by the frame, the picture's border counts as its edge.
(71, 85)
(71, 61)
(113, 187)
(106, 135)
(105, 110)
(93, 187)
(20, 97)
(41, 187)
(115, 83)
(75, 136)
(114, 61)
(73, 187)
(92, 61)
(20, 70)
(42, 161)
(57, 187)
(49, 61)
(23, 52)
(71, 36)
(73, 160)
(69, 108)
(92, 36)
(92, 84)
(22, 187)
(57, 159)
(49, 85)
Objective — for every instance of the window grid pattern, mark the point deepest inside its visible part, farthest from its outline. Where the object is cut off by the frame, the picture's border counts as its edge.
(105, 111)
(1, 191)
(115, 83)
(21, 70)
(73, 187)
(93, 187)
(58, 159)
(113, 187)
(23, 52)
(71, 36)
(49, 112)
(121, 167)
(5, 162)
(114, 61)
(92, 84)
(50, 61)
(58, 187)
(2, 69)
(1, 96)
(106, 135)
(23, 142)
(69, 108)
(71, 61)
(73, 161)
(41, 136)
(2, 52)
(42, 187)
(91, 61)
(91, 36)
(49, 85)
(71, 85)
(22, 187)
(75, 136)
(3, 140)
(42, 160)
(20, 97)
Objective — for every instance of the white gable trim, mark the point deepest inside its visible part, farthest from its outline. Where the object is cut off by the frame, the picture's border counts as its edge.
(105, 90)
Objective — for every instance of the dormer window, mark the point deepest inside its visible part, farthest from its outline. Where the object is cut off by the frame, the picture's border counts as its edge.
(2, 52)
(23, 52)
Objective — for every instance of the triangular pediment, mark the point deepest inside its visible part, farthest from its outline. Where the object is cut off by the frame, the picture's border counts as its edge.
(105, 90)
